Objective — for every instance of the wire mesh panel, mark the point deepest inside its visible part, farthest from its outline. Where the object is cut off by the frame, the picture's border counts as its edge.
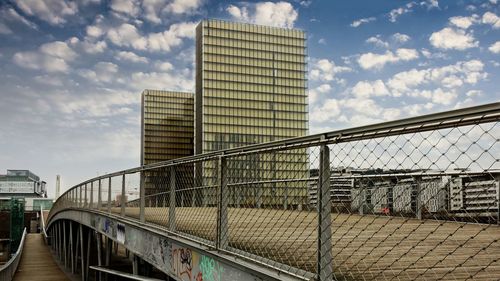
(417, 206)
(268, 213)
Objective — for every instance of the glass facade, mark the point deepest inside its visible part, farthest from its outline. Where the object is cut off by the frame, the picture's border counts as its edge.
(167, 125)
(251, 87)
(167, 133)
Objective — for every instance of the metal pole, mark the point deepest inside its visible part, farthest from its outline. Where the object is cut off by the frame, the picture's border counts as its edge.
(65, 249)
(123, 201)
(89, 239)
(135, 265)
(85, 201)
(91, 195)
(418, 200)
(362, 197)
(82, 254)
(99, 252)
(325, 270)
(80, 201)
(109, 195)
(71, 245)
(99, 199)
(142, 199)
(171, 209)
(223, 197)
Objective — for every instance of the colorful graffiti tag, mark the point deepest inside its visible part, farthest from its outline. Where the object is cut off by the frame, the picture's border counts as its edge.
(188, 265)
(211, 269)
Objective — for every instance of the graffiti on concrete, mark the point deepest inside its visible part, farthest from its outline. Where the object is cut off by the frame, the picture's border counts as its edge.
(211, 270)
(120, 233)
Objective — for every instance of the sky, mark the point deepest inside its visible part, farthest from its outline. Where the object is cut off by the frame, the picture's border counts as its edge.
(71, 72)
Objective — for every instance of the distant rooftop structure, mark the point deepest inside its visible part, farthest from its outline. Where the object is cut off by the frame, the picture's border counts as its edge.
(22, 183)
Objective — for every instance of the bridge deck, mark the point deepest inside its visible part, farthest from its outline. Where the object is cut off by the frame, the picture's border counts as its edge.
(37, 262)
(364, 247)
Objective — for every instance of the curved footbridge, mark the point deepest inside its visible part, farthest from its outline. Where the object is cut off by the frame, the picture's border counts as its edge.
(421, 202)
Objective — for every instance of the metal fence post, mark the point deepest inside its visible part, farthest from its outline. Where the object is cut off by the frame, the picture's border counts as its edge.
(123, 201)
(222, 202)
(142, 199)
(80, 197)
(91, 203)
(171, 208)
(418, 199)
(109, 195)
(362, 197)
(325, 270)
(99, 198)
(85, 202)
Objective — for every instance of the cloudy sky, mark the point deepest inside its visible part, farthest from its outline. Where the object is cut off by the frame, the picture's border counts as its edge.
(71, 72)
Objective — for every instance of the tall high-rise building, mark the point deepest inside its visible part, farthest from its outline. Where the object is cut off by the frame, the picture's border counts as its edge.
(167, 133)
(251, 88)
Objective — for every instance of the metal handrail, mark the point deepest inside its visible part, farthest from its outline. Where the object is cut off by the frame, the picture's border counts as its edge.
(8, 270)
(441, 120)
(42, 219)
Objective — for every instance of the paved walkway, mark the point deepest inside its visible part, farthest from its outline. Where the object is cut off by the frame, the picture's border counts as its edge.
(37, 263)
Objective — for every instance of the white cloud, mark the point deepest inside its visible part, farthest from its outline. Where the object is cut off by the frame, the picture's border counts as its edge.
(474, 93)
(152, 10)
(401, 38)
(359, 22)
(279, 14)
(51, 57)
(449, 38)
(183, 6)
(315, 93)
(366, 89)
(58, 49)
(9, 14)
(38, 61)
(126, 7)
(438, 95)
(326, 70)
(377, 41)
(94, 31)
(164, 66)
(328, 110)
(52, 11)
(495, 48)
(103, 72)
(450, 76)
(180, 81)
(322, 41)
(463, 22)
(378, 61)
(127, 35)
(130, 56)
(492, 19)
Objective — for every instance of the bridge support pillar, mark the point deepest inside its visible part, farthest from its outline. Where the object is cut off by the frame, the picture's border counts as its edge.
(324, 262)
(71, 246)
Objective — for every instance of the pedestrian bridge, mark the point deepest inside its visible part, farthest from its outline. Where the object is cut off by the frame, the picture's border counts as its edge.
(410, 199)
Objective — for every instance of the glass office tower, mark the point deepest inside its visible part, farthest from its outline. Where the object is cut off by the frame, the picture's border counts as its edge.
(251, 88)
(167, 133)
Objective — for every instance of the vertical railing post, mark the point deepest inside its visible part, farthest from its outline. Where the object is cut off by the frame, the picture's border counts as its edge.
(85, 202)
(80, 201)
(325, 269)
(142, 199)
(418, 199)
(222, 202)
(122, 199)
(91, 203)
(99, 198)
(109, 195)
(171, 208)
(497, 179)
(362, 197)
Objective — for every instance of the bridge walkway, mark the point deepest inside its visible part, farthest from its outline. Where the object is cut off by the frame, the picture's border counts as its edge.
(37, 263)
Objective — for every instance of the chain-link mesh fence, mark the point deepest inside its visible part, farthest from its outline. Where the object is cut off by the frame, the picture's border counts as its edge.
(411, 199)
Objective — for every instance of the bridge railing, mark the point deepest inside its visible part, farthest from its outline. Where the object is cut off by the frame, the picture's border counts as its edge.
(412, 198)
(8, 269)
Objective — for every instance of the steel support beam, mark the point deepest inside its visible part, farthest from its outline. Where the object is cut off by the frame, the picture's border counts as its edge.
(123, 200)
(109, 195)
(82, 254)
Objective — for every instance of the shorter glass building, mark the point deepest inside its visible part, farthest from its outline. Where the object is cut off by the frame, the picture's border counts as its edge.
(167, 133)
